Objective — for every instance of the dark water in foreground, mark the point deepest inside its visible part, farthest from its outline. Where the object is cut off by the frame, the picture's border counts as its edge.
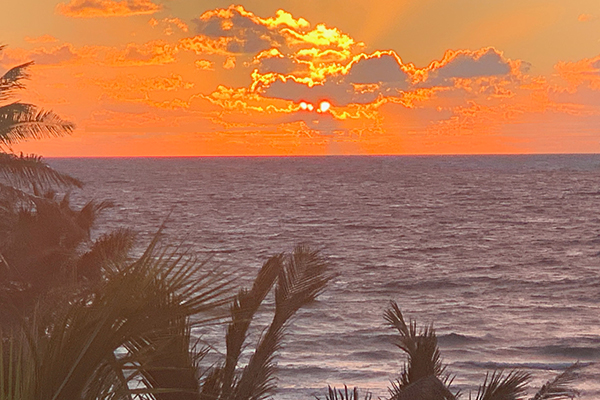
(501, 253)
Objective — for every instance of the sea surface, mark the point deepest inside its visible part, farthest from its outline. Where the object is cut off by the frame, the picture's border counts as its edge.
(500, 253)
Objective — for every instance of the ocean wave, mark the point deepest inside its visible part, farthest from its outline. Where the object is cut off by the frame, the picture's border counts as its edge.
(454, 339)
(373, 355)
(574, 352)
(492, 365)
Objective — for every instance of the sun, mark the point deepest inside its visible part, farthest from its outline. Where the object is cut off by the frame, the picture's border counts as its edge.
(324, 106)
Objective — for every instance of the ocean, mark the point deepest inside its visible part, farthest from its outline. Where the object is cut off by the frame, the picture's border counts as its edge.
(500, 253)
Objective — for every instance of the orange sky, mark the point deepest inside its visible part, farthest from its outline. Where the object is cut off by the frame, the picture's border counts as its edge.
(188, 77)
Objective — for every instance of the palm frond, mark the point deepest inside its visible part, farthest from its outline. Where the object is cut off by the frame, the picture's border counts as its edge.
(345, 394)
(299, 282)
(134, 309)
(559, 387)
(427, 388)
(19, 122)
(31, 171)
(244, 306)
(107, 253)
(421, 348)
(498, 386)
(86, 217)
(11, 80)
(17, 374)
(170, 364)
(12, 198)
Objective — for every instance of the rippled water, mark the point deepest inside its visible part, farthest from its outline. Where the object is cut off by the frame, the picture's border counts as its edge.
(501, 253)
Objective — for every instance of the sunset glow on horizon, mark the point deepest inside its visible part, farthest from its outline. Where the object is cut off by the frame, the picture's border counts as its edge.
(290, 77)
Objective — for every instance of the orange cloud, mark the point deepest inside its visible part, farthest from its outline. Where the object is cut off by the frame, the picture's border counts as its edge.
(321, 36)
(156, 52)
(168, 24)
(41, 56)
(229, 63)
(204, 45)
(132, 87)
(106, 8)
(458, 64)
(246, 33)
(582, 71)
(41, 39)
(585, 17)
(204, 65)
(282, 18)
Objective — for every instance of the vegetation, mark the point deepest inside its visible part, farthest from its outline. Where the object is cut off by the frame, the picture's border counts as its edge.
(81, 319)
(130, 337)
(39, 233)
(424, 375)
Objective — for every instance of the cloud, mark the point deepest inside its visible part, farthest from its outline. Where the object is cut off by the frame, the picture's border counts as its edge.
(55, 56)
(273, 61)
(168, 25)
(467, 64)
(246, 33)
(252, 34)
(366, 78)
(585, 71)
(229, 63)
(132, 89)
(42, 56)
(156, 52)
(106, 8)
(380, 67)
(206, 65)
(585, 17)
(41, 39)
(204, 45)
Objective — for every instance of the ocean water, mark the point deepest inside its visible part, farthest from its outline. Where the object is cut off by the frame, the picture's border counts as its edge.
(500, 253)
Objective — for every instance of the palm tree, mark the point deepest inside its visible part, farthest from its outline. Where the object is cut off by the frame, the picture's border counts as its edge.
(424, 376)
(41, 235)
(20, 122)
(130, 337)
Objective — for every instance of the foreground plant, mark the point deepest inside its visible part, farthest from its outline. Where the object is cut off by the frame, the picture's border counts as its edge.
(20, 122)
(424, 376)
(131, 336)
(41, 235)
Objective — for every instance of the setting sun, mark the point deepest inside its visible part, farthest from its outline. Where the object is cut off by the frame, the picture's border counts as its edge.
(324, 106)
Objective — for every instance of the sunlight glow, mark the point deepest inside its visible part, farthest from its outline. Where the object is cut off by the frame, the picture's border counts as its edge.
(324, 106)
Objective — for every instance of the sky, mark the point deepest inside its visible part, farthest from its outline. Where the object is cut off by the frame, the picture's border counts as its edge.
(309, 77)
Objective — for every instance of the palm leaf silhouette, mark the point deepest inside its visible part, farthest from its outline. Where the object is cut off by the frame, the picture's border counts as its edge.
(559, 387)
(421, 348)
(345, 394)
(137, 308)
(31, 171)
(19, 122)
(11, 80)
(498, 386)
(301, 279)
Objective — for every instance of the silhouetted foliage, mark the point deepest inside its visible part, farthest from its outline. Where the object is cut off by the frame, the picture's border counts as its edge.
(424, 376)
(498, 386)
(339, 394)
(131, 334)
